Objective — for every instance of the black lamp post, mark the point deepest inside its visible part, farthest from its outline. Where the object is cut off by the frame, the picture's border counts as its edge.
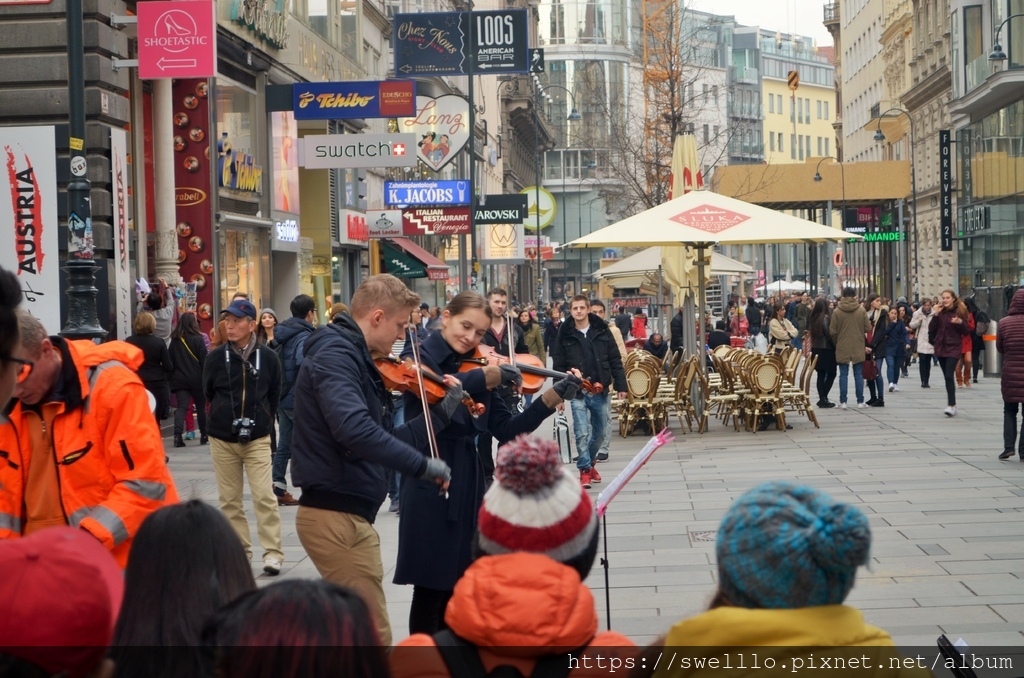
(879, 137)
(842, 179)
(82, 322)
(997, 53)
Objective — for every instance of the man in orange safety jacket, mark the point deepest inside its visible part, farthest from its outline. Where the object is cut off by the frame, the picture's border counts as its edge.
(79, 445)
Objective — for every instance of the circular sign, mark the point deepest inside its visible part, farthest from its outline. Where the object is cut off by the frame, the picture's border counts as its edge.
(78, 166)
(545, 210)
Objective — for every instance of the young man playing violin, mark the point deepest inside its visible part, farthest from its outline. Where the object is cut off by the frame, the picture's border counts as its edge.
(587, 345)
(436, 532)
(499, 336)
(344, 439)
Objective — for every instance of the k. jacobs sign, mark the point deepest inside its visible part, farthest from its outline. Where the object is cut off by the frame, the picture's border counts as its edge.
(325, 151)
(426, 192)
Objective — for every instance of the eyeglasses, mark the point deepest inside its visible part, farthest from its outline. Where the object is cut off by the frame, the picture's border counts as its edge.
(24, 366)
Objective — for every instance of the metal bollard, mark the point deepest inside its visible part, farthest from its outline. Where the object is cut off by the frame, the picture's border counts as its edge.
(993, 359)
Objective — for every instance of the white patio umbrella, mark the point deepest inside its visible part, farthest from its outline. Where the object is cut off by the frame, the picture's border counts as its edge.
(780, 286)
(703, 219)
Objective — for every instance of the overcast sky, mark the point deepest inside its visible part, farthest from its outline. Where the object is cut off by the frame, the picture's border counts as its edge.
(788, 16)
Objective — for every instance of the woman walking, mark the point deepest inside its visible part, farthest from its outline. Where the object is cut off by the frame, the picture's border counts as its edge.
(979, 327)
(879, 319)
(156, 366)
(896, 341)
(534, 342)
(824, 348)
(1010, 342)
(947, 330)
(188, 354)
(265, 330)
(925, 350)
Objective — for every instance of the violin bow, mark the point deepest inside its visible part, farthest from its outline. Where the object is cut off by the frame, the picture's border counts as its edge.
(428, 420)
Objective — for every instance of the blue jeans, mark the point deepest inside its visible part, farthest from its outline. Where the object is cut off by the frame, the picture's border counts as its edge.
(590, 426)
(858, 381)
(797, 343)
(893, 366)
(608, 437)
(283, 454)
(880, 380)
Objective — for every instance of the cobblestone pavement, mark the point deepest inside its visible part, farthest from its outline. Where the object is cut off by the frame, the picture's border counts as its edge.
(946, 515)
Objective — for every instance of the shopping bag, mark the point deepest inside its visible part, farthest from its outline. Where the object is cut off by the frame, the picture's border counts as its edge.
(563, 437)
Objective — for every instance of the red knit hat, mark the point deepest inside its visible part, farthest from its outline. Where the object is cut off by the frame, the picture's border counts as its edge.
(535, 504)
(60, 595)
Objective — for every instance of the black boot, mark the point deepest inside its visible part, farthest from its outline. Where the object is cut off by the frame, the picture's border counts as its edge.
(880, 402)
(178, 442)
(204, 439)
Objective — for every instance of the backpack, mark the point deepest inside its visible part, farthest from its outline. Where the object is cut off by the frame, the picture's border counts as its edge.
(463, 660)
(981, 323)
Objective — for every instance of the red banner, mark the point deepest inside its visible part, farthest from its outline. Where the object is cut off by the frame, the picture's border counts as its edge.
(192, 172)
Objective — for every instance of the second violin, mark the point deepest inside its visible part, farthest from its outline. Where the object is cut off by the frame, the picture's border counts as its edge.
(405, 375)
(533, 370)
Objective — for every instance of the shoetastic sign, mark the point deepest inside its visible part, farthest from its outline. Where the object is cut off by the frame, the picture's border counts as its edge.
(436, 220)
(347, 100)
(326, 151)
(177, 39)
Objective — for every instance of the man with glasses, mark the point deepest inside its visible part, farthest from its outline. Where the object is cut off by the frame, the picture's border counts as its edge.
(80, 446)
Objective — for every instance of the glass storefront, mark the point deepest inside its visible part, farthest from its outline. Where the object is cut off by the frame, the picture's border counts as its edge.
(244, 264)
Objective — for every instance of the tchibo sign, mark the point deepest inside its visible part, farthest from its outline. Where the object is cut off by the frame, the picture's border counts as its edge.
(326, 151)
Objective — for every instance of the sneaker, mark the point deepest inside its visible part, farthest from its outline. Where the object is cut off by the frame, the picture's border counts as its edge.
(601, 456)
(585, 479)
(595, 477)
(862, 406)
(878, 403)
(892, 387)
(950, 411)
(272, 565)
(843, 406)
(393, 507)
(1006, 454)
(190, 435)
(975, 380)
(287, 499)
(895, 387)
(204, 440)
(827, 405)
(925, 386)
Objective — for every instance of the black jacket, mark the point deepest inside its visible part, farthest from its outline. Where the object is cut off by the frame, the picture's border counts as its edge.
(289, 340)
(567, 352)
(491, 339)
(550, 332)
(623, 321)
(235, 391)
(676, 332)
(753, 314)
(347, 439)
(157, 366)
(188, 355)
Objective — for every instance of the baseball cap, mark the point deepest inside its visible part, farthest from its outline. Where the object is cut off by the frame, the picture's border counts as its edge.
(241, 308)
(60, 593)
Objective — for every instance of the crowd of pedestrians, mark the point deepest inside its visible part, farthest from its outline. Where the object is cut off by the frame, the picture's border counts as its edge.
(108, 572)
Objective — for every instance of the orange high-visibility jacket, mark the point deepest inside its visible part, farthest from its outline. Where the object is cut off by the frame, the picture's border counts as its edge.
(106, 446)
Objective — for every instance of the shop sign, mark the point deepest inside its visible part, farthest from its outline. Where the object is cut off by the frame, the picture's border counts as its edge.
(430, 43)
(122, 269)
(355, 225)
(28, 219)
(177, 39)
(265, 18)
(503, 243)
(540, 207)
(409, 193)
(501, 209)
(439, 221)
(237, 169)
(945, 191)
(974, 218)
(326, 151)
(883, 237)
(192, 181)
(384, 223)
(500, 42)
(286, 231)
(631, 302)
(347, 100)
(441, 127)
(710, 218)
(860, 220)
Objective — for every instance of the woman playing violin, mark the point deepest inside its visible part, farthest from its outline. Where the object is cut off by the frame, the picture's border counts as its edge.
(435, 533)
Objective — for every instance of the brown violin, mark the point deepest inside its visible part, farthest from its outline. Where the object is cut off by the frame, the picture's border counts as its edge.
(533, 369)
(404, 375)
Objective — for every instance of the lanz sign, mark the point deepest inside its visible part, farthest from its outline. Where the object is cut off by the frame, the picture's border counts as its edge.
(325, 151)
(177, 39)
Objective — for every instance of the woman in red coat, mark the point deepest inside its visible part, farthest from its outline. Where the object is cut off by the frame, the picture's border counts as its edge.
(947, 330)
(963, 368)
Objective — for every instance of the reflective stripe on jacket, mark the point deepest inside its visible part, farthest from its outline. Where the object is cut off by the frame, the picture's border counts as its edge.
(106, 445)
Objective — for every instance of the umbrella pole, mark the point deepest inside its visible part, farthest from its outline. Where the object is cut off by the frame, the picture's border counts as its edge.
(702, 298)
(661, 330)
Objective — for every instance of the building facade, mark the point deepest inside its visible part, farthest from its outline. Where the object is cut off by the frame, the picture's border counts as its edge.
(862, 77)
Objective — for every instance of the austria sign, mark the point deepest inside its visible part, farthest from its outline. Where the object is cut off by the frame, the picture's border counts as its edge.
(436, 220)
(326, 151)
(441, 127)
(177, 39)
(345, 100)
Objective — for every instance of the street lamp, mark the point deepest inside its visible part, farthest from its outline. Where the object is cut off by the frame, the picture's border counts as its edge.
(879, 137)
(997, 53)
(842, 178)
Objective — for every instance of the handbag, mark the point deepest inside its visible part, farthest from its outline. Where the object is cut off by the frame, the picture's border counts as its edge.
(870, 369)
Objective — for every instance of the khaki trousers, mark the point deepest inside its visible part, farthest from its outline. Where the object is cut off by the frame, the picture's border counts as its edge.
(254, 457)
(346, 551)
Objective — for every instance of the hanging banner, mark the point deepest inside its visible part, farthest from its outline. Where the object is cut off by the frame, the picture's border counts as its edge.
(436, 220)
(348, 100)
(28, 220)
(123, 284)
(192, 186)
(441, 127)
(353, 151)
(286, 162)
(430, 43)
(501, 209)
(503, 244)
(384, 223)
(945, 191)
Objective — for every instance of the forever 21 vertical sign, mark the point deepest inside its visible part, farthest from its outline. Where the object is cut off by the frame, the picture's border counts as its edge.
(945, 191)
(500, 43)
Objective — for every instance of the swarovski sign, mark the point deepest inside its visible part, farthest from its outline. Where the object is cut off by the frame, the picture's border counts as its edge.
(500, 209)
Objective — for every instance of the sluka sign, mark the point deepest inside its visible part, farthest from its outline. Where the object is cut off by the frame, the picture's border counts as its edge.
(326, 151)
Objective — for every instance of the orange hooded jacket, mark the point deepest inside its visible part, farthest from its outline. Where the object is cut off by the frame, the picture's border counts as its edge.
(516, 608)
(106, 446)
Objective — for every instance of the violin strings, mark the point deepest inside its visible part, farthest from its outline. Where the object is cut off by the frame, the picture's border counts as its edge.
(431, 439)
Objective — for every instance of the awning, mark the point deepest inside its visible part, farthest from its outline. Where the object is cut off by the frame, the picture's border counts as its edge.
(405, 259)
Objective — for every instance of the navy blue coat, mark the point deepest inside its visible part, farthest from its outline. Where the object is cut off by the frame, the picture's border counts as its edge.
(344, 433)
(435, 534)
(896, 339)
(290, 340)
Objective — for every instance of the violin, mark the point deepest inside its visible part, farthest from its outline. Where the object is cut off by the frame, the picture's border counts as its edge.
(534, 372)
(405, 376)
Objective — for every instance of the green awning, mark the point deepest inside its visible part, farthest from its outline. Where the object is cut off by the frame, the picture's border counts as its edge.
(405, 259)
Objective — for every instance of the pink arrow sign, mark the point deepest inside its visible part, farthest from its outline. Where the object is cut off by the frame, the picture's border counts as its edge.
(177, 39)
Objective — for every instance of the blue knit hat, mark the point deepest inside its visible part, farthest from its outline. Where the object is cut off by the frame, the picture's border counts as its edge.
(785, 546)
